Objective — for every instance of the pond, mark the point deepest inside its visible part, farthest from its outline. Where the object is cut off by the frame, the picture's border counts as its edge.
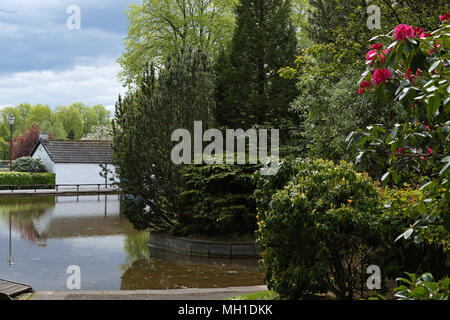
(41, 237)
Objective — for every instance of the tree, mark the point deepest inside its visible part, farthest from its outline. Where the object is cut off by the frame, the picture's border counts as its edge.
(159, 28)
(71, 135)
(103, 115)
(249, 89)
(38, 114)
(100, 132)
(71, 119)
(144, 122)
(24, 144)
(44, 117)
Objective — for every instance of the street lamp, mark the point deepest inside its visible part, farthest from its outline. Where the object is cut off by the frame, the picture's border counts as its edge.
(10, 258)
(11, 121)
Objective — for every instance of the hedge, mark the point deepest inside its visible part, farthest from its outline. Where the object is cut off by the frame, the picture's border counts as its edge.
(217, 200)
(25, 179)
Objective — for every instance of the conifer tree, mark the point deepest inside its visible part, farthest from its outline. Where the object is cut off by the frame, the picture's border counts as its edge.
(144, 122)
(249, 89)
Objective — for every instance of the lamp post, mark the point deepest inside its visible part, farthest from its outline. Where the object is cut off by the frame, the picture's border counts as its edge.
(11, 121)
(10, 258)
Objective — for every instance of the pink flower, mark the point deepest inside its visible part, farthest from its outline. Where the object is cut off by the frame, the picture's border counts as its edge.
(377, 46)
(445, 17)
(408, 75)
(430, 151)
(403, 32)
(399, 151)
(433, 50)
(364, 87)
(373, 55)
(419, 33)
(381, 76)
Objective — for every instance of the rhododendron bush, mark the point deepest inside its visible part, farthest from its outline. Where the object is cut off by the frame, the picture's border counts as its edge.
(411, 66)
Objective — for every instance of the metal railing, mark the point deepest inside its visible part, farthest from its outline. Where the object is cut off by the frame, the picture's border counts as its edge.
(59, 187)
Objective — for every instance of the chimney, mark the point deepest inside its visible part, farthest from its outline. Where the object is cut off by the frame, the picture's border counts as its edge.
(43, 136)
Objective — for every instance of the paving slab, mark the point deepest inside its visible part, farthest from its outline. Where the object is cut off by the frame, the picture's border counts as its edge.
(173, 294)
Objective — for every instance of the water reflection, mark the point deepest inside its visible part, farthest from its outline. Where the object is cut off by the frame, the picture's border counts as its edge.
(166, 270)
(43, 236)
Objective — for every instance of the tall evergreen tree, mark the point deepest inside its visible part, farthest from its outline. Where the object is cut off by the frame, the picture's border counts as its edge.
(249, 89)
(144, 122)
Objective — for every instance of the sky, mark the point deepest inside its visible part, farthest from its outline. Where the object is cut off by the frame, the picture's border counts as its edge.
(44, 59)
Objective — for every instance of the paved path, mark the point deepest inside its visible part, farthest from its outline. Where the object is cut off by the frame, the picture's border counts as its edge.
(174, 294)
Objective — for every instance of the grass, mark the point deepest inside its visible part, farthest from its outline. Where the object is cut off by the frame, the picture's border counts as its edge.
(263, 295)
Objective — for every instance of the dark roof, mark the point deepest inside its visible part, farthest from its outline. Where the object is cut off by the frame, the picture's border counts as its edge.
(78, 151)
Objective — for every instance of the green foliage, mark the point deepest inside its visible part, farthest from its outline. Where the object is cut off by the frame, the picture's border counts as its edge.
(158, 28)
(249, 89)
(422, 251)
(28, 164)
(415, 151)
(318, 226)
(328, 111)
(424, 13)
(26, 179)
(328, 108)
(422, 288)
(144, 122)
(217, 199)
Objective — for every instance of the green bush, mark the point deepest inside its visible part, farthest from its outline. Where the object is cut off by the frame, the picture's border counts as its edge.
(422, 288)
(400, 253)
(26, 179)
(28, 164)
(318, 226)
(217, 200)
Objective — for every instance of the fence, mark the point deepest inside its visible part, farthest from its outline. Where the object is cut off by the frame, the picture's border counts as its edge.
(62, 187)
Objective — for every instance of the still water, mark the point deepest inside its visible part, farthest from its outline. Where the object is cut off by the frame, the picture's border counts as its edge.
(41, 237)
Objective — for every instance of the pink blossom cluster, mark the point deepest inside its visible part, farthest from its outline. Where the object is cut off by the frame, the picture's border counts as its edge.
(410, 76)
(381, 76)
(376, 53)
(404, 31)
(445, 17)
(364, 87)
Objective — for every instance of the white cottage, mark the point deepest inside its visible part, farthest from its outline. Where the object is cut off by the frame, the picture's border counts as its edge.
(75, 162)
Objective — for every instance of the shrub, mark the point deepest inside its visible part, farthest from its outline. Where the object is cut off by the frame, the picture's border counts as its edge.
(319, 230)
(28, 164)
(402, 254)
(422, 288)
(415, 73)
(26, 179)
(217, 199)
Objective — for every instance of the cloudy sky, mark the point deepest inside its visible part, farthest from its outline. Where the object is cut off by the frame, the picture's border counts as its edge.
(44, 61)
